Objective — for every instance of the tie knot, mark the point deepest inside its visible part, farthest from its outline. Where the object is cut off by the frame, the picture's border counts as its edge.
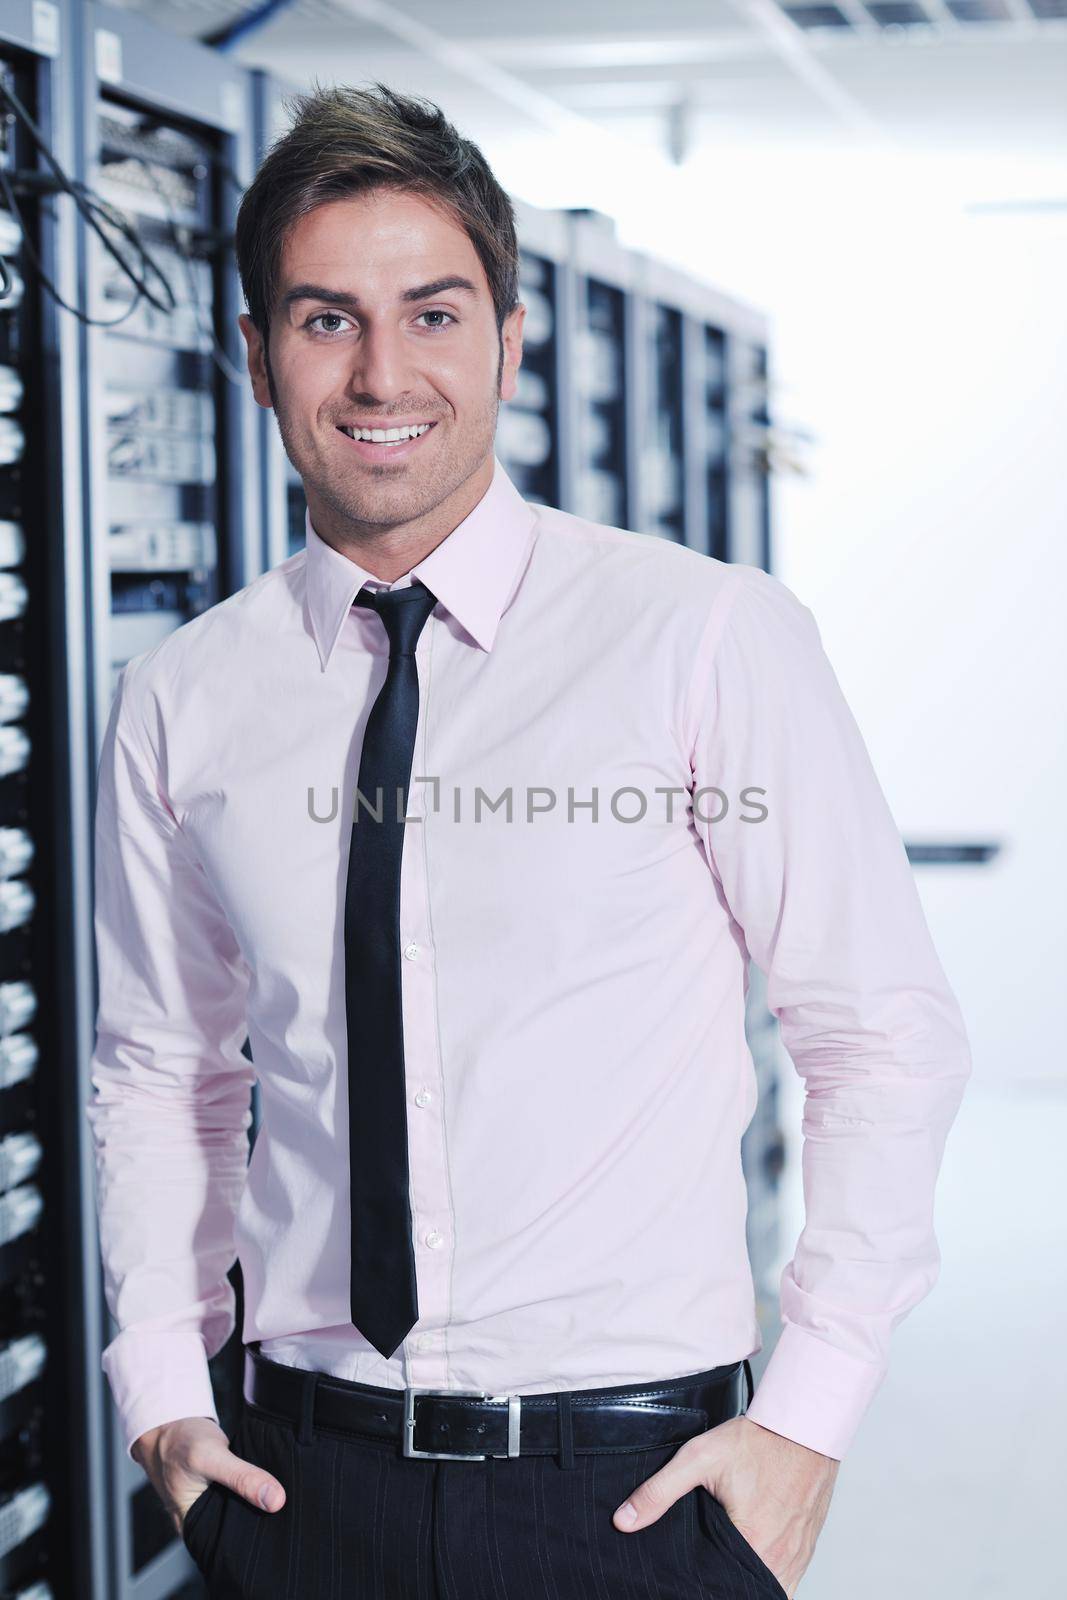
(403, 611)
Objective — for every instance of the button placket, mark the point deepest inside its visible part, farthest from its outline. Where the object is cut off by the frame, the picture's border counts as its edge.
(430, 1188)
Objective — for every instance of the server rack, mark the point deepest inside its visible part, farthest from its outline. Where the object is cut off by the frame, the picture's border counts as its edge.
(671, 408)
(710, 469)
(530, 439)
(176, 525)
(664, 405)
(282, 493)
(711, 405)
(48, 1410)
(749, 456)
(663, 436)
(607, 373)
(172, 518)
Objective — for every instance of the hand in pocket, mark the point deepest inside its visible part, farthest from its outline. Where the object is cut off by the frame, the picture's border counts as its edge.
(183, 1458)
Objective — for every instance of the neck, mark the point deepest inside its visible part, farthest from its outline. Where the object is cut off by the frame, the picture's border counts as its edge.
(390, 552)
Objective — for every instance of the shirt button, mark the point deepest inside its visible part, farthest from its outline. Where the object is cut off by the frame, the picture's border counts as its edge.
(411, 951)
(423, 1097)
(434, 1239)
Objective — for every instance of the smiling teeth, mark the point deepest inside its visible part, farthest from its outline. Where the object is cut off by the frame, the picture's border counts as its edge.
(387, 435)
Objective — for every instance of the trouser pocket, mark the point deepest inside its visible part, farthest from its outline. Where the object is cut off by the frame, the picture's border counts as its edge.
(725, 1535)
(194, 1513)
(222, 1531)
(201, 1525)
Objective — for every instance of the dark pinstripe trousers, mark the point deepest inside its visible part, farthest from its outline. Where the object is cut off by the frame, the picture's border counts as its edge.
(363, 1522)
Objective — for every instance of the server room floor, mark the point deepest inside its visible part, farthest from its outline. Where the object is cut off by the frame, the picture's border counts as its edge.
(970, 1506)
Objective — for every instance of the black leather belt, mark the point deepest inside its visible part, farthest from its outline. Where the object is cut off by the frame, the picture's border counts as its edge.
(469, 1425)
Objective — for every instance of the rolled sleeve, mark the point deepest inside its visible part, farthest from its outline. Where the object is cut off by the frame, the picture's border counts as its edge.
(821, 889)
(170, 1107)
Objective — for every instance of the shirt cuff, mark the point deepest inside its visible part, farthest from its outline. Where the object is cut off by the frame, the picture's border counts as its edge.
(814, 1393)
(158, 1376)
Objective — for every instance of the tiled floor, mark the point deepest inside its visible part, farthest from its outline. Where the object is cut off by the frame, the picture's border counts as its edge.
(955, 1486)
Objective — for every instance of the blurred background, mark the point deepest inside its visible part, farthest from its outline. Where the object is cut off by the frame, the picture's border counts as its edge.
(795, 277)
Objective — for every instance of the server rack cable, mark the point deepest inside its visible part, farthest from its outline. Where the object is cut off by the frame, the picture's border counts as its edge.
(182, 237)
(89, 204)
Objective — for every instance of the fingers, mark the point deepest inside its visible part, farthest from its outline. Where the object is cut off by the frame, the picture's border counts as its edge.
(255, 1485)
(183, 1458)
(652, 1498)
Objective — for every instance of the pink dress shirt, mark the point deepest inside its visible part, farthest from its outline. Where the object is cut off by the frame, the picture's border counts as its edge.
(634, 768)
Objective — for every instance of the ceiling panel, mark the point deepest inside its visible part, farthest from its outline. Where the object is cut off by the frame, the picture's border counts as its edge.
(972, 80)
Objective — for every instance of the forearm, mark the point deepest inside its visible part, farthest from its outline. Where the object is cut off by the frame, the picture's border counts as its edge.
(170, 1107)
(874, 1132)
(826, 897)
(171, 1158)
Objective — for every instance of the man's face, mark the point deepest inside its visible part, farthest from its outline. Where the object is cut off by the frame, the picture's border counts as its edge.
(384, 317)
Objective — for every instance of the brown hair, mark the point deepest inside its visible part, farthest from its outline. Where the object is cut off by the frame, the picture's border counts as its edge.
(346, 141)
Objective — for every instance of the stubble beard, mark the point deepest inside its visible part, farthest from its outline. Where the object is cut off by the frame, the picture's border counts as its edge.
(352, 496)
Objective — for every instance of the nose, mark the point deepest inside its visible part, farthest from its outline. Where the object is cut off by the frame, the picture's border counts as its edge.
(380, 368)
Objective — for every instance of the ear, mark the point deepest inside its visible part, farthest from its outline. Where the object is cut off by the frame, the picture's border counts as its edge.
(257, 365)
(511, 337)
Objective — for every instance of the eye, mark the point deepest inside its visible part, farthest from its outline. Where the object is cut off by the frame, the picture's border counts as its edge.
(319, 315)
(337, 317)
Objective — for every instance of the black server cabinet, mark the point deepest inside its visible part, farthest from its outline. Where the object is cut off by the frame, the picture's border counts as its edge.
(172, 487)
(168, 146)
(601, 377)
(282, 504)
(703, 472)
(749, 456)
(662, 385)
(667, 439)
(46, 1413)
(284, 507)
(663, 438)
(714, 468)
(606, 376)
(529, 439)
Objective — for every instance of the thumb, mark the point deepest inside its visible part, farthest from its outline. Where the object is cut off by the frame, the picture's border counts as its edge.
(259, 1488)
(652, 1498)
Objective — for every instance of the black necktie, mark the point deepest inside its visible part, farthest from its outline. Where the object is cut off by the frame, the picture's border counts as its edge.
(384, 1301)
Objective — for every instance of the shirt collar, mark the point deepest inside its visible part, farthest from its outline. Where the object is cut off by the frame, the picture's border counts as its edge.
(472, 571)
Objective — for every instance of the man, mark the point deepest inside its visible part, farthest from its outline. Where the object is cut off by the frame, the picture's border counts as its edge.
(497, 1019)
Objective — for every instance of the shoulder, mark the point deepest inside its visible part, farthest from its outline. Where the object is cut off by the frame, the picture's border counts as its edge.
(200, 655)
(688, 590)
(644, 568)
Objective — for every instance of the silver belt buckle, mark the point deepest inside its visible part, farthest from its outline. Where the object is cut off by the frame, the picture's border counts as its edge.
(408, 1443)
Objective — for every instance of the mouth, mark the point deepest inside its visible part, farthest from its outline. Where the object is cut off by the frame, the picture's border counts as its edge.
(388, 449)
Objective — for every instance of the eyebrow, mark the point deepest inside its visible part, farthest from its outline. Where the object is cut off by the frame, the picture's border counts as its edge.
(422, 291)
